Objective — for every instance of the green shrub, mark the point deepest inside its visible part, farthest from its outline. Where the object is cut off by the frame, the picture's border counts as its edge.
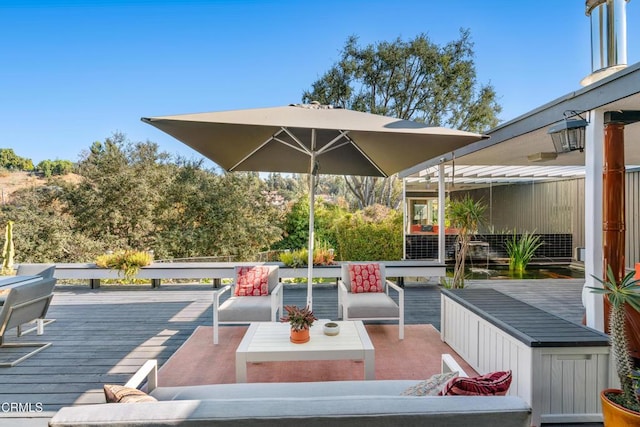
(296, 223)
(372, 234)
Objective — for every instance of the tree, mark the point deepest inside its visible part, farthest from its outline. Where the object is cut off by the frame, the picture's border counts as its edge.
(44, 229)
(204, 214)
(467, 216)
(11, 161)
(121, 187)
(50, 168)
(413, 80)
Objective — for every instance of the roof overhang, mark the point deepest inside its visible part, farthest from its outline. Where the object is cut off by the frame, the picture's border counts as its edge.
(521, 141)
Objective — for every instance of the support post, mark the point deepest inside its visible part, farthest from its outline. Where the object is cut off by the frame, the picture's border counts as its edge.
(441, 213)
(593, 221)
(613, 203)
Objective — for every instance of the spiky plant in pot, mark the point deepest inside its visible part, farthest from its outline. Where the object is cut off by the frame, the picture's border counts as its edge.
(298, 318)
(619, 294)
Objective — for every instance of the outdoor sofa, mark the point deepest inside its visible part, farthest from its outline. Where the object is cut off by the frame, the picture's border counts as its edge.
(330, 403)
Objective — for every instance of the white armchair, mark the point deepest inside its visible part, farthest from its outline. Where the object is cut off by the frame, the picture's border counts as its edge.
(362, 303)
(256, 296)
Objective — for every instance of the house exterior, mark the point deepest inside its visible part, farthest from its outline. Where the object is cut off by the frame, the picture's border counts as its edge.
(574, 204)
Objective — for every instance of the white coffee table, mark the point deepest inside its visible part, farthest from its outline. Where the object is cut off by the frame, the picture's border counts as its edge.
(269, 342)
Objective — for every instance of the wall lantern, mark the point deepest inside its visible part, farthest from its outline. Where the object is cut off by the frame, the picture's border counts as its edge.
(569, 135)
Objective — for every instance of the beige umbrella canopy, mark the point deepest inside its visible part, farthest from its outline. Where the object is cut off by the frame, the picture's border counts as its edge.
(311, 139)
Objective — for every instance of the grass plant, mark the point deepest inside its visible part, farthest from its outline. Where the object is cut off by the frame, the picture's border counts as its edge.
(127, 262)
(521, 250)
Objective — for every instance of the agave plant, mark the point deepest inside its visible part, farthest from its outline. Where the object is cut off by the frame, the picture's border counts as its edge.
(620, 294)
(521, 250)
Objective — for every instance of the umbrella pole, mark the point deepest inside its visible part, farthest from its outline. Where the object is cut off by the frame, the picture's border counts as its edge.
(312, 201)
(312, 184)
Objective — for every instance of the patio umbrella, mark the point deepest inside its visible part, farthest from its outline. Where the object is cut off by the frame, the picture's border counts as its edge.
(311, 138)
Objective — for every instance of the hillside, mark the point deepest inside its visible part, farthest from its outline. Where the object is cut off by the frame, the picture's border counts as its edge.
(13, 181)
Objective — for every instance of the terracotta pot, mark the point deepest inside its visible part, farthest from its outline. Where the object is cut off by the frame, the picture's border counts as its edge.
(615, 415)
(299, 337)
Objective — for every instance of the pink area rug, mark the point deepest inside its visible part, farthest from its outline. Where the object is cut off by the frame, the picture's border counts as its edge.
(198, 361)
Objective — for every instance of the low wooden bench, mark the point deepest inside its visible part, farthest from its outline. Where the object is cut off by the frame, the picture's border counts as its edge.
(559, 367)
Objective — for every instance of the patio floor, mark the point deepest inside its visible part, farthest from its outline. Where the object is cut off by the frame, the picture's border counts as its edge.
(102, 336)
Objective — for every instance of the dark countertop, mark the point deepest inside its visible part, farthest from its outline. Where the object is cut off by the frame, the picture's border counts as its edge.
(528, 324)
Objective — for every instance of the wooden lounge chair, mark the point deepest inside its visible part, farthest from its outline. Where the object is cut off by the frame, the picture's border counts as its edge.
(244, 306)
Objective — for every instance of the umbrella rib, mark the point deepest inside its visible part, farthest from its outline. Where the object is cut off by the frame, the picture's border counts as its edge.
(329, 146)
(336, 146)
(253, 152)
(295, 138)
(274, 137)
(290, 145)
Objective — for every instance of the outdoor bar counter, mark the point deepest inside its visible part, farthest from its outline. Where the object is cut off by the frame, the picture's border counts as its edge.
(559, 367)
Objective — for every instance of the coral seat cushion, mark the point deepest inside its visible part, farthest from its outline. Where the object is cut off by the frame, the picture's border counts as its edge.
(365, 278)
(491, 384)
(252, 281)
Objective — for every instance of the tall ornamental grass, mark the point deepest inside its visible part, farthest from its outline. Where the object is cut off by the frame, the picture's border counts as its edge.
(521, 250)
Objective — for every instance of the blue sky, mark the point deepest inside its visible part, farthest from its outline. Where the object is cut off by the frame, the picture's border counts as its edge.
(75, 72)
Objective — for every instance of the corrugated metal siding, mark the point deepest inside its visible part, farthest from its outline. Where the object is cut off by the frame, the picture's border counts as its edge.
(632, 219)
(549, 207)
(556, 207)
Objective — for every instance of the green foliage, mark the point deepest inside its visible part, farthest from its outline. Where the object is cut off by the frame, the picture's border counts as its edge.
(467, 216)
(298, 318)
(295, 259)
(50, 168)
(131, 195)
(202, 213)
(296, 224)
(288, 187)
(620, 294)
(127, 262)
(12, 162)
(8, 250)
(45, 231)
(323, 254)
(121, 186)
(372, 234)
(413, 80)
(521, 250)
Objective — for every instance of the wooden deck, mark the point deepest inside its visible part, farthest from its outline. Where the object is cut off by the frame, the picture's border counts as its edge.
(103, 336)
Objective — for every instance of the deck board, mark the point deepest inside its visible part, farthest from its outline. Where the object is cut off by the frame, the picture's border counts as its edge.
(104, 335)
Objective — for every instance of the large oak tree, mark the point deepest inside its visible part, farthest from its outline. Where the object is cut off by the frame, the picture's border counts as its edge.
(413, 80)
